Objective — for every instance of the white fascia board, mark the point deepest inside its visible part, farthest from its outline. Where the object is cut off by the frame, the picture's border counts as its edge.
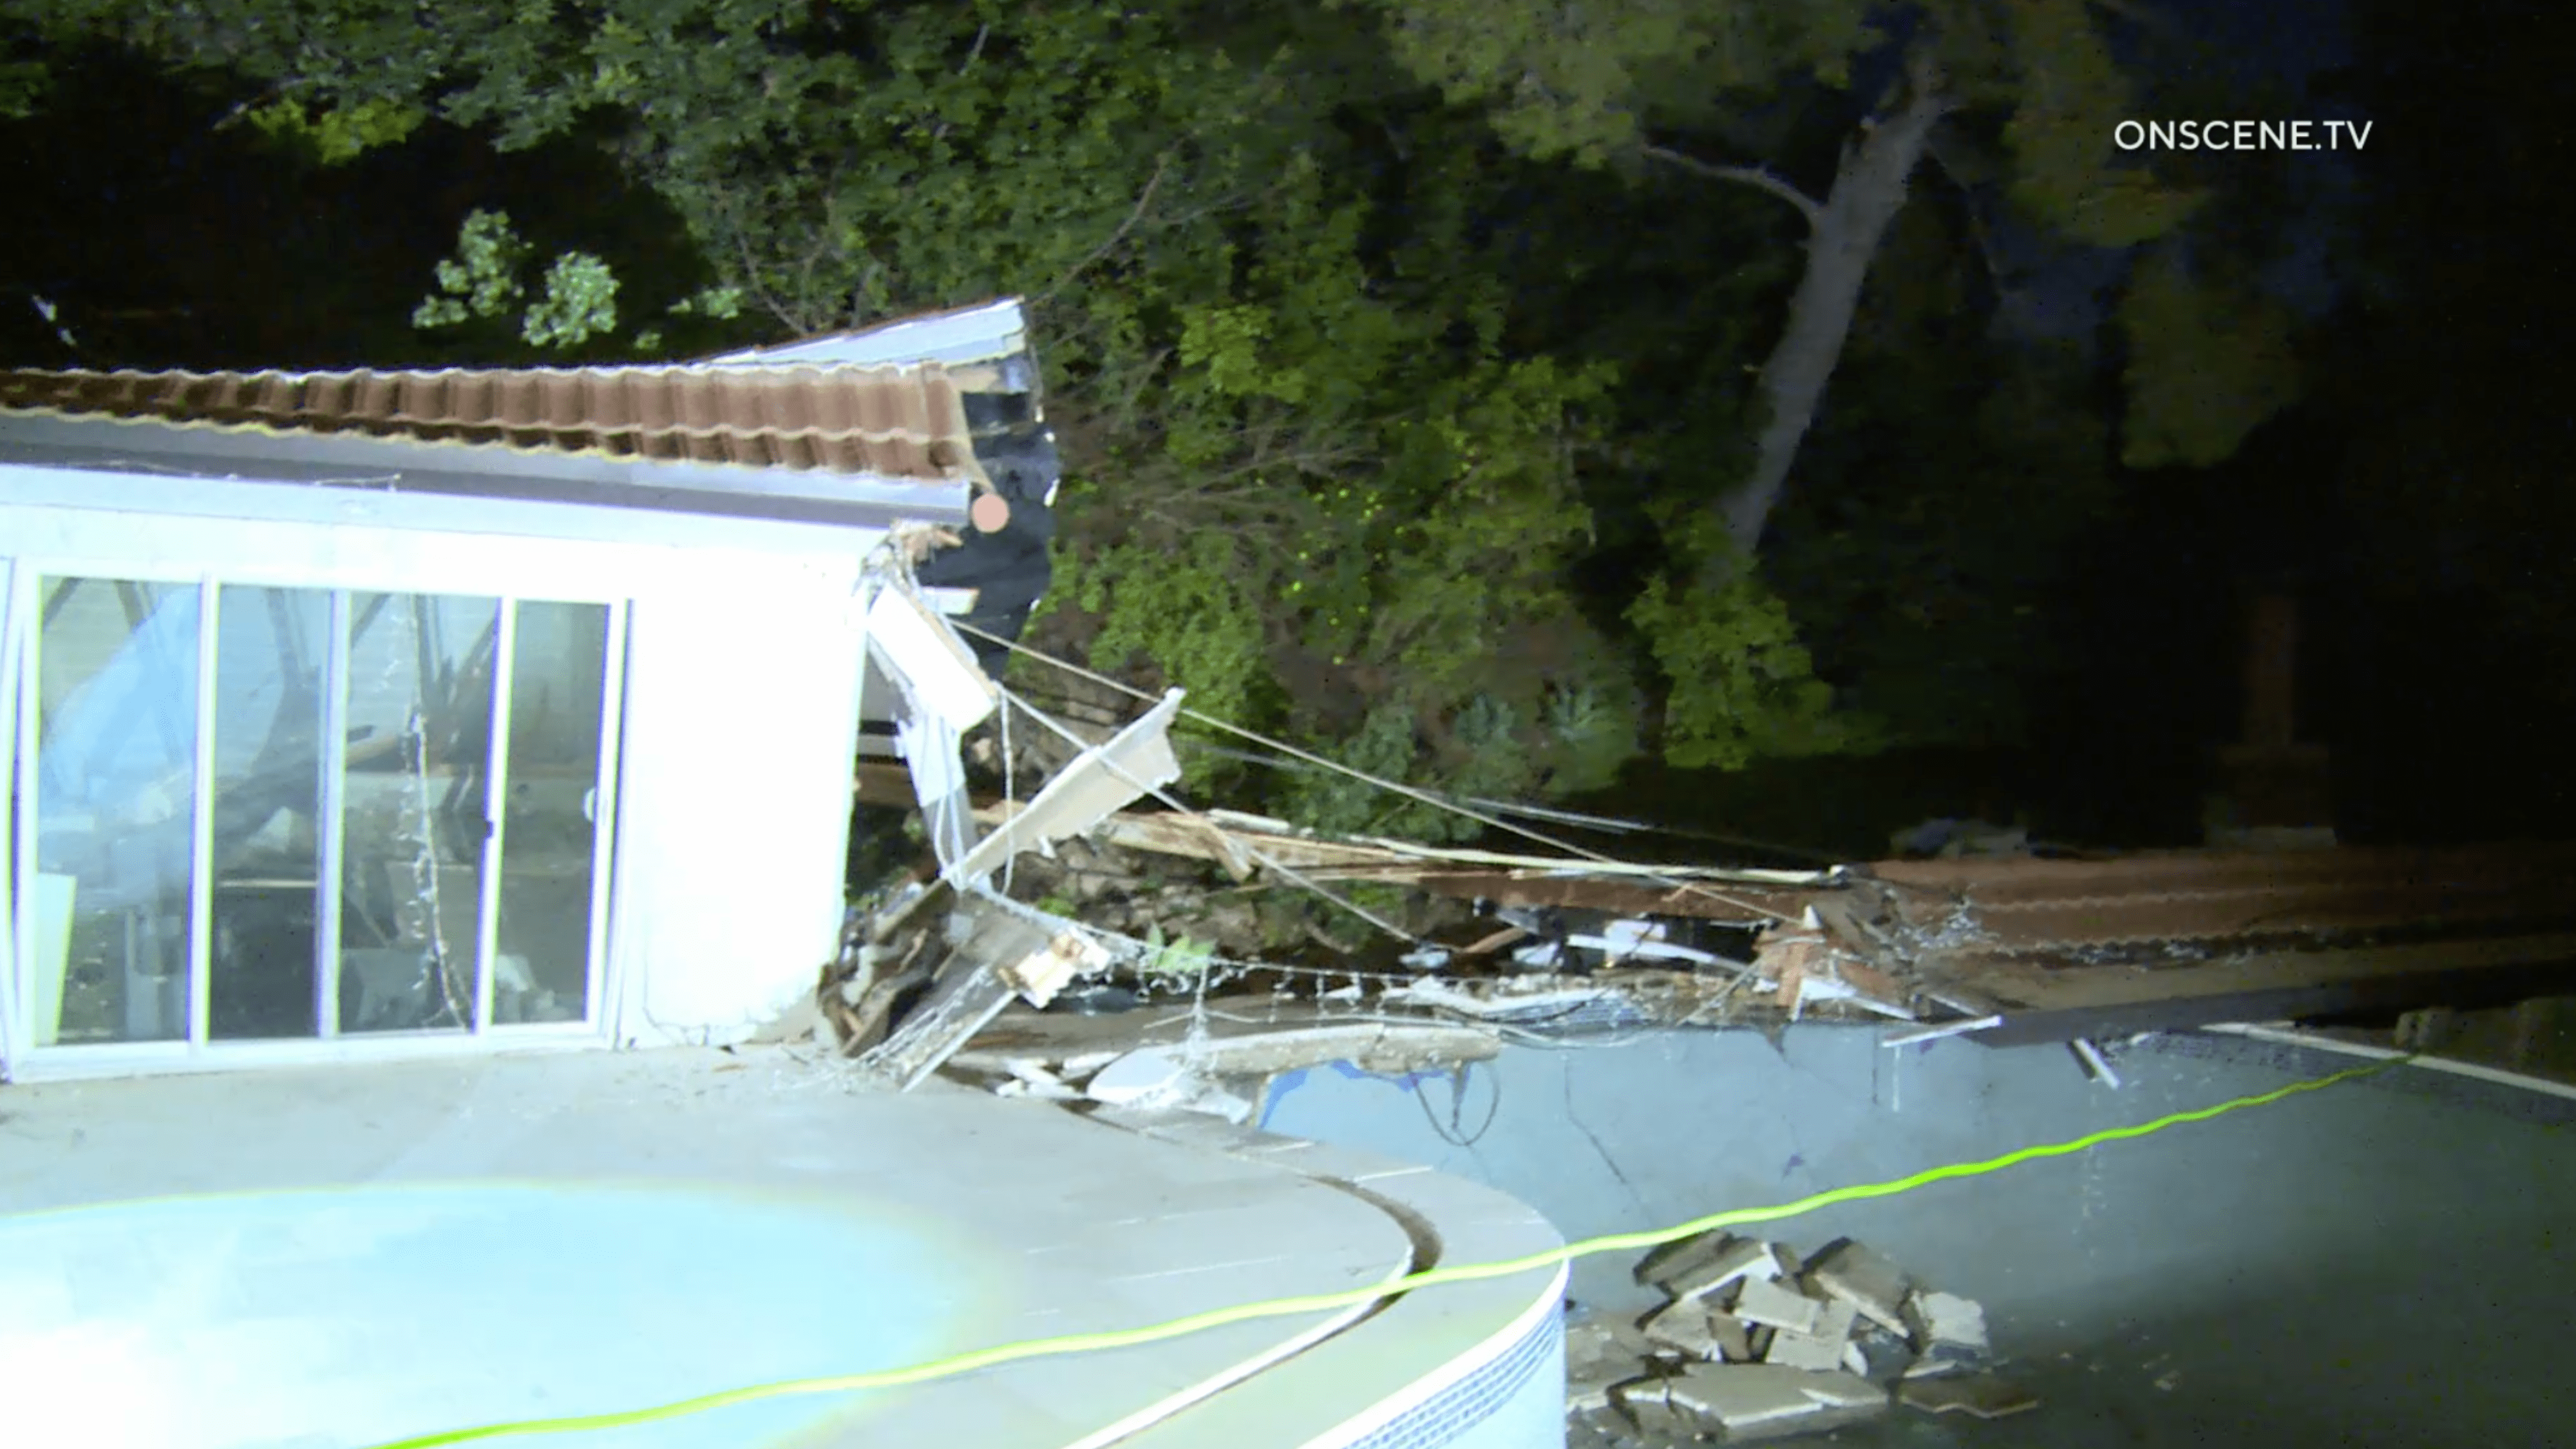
(983, 333)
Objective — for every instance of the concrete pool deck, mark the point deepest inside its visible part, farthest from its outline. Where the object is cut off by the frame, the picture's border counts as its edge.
(347, 1255)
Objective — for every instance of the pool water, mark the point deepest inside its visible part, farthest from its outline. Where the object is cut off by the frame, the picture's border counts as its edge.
(348, 1317)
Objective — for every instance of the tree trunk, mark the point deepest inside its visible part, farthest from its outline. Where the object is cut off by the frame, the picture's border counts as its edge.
(1844, 233)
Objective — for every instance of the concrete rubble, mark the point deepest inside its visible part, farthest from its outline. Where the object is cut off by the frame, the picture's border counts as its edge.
(1753, 1342)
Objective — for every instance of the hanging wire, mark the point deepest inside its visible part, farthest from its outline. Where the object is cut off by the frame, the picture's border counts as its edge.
(1412, 792)
(1453, 1134)
(1171, 802)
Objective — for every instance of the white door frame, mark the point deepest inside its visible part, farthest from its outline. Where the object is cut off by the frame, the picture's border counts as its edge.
(20, 646)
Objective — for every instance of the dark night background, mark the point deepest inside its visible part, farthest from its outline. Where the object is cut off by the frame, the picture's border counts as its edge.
(2417, 498)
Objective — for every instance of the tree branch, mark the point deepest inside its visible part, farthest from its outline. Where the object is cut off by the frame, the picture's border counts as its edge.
(1754, 176)
(1144, 199)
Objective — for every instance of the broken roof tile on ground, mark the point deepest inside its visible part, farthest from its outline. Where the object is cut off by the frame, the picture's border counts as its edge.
(1750, 1344)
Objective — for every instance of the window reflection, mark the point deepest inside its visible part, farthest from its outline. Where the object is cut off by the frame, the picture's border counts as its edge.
(420, 712)
(116, 687)
(350, 817)
(558, 681)
(270, 649)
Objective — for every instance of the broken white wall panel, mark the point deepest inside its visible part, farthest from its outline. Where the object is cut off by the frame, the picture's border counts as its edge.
(933, 667)
(932, 753)
(1096, 784)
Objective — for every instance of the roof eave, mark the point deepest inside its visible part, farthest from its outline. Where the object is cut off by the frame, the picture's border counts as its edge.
(473, 470)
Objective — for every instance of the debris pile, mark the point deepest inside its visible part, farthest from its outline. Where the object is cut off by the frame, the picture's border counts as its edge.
(1753, 1343)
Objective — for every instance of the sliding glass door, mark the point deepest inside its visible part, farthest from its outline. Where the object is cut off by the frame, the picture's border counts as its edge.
(268, 813)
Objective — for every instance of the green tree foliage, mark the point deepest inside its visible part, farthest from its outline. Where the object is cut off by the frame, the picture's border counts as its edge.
(1324, 378)
(482, 281)
(1317, 484)
(2206, 366)
(340, 134)
(2017, 98)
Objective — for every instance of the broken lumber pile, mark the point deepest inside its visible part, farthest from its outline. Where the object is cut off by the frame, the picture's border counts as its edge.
(1753, 1343)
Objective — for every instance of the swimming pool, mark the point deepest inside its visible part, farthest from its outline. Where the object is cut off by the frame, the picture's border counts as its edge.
(335, 1259)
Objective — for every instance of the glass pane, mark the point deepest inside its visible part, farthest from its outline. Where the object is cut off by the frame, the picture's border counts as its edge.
(558, 681)
(116, 686)
(270, 648)
(414, 809)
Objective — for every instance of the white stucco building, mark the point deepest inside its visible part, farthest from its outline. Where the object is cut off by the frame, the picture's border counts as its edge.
(364, 714)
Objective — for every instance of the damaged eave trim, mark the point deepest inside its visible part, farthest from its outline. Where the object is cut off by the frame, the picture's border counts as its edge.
(1097, 784)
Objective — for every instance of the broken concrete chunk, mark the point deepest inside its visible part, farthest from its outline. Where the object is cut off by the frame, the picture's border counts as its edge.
(1696, 1330)
(1952, 1320)
(1878, 1355)
(1776, 1305)
(1593, 1386)
(1865, 1280)
(1745, 1399)
(1944, 1358)
(1682, 1327)
(1646, 1404)
(1661, 1266)
(1819, 1349)
(1844, 1391)
(1763, 1401)
(1987, 1396)
(1739, 1260)
(1604, 1340)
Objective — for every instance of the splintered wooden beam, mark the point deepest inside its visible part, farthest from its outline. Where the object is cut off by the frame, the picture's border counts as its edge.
(1699, 900)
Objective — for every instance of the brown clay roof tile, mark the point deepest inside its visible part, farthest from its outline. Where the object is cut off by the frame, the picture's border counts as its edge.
(900, 423)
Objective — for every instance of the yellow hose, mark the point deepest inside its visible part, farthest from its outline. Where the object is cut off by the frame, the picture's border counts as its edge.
(968, 1362)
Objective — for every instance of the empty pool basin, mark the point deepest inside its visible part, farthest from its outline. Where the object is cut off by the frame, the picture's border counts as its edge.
(359, 1315)
(2380, 1263)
